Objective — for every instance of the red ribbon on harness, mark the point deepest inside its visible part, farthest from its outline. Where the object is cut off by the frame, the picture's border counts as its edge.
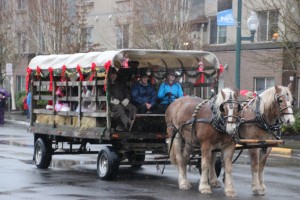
(28, 72)
(51, 78)
(93, 68)
(63, 71)
(79, 72)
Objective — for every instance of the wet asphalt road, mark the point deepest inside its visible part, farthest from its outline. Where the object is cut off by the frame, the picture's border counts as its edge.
(74, 177)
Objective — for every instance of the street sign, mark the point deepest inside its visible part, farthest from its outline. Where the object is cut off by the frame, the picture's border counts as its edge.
(9, 70)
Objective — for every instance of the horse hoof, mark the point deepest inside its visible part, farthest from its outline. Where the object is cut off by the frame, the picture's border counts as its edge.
(259, 192)
(215, 184)
(230, 193)
(185, 185)
(205, 190)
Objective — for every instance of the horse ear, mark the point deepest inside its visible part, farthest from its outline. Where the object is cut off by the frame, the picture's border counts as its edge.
(277, 89)
(236, 93)
(290, 86)
(223, 94)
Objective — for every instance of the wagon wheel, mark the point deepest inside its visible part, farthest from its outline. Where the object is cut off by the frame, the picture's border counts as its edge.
(42, 153)
(136, 159)
(107, 163)
(218, 166)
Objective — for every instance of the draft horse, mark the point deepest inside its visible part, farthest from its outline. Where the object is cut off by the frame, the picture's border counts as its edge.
(262, 118)
(208, 124)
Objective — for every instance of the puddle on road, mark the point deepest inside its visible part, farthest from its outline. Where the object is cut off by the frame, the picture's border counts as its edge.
(15, 143)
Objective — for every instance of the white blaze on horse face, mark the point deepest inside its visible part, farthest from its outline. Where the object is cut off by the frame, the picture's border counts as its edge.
(230, 127)
(288, 118)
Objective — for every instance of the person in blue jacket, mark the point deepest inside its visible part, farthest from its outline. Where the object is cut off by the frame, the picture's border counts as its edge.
(144, 95)
(169, 90)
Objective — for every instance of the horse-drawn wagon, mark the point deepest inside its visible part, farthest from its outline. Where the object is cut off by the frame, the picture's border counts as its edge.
(82, 115)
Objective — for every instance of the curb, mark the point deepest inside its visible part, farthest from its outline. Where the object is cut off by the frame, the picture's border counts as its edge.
(278, 150)
(10, 121)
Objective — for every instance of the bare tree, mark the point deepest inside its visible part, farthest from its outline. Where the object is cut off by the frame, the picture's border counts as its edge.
(7, 38)
(159, 24)
(57, 26)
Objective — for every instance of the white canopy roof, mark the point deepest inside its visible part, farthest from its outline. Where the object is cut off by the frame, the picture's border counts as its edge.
(145, 58)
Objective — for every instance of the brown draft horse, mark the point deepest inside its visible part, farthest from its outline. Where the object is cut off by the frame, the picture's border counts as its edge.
(208, 124)
(262, 117)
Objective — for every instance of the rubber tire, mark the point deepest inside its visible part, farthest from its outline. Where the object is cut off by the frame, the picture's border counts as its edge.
(218, 166)
(42, 153)
(107, 163)
(136, 158)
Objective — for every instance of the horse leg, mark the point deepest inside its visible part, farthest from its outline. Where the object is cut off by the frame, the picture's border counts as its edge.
(256, 186)
(213, 179)
(178, 159)
(206, 157)
(227, 154)
(262, 163)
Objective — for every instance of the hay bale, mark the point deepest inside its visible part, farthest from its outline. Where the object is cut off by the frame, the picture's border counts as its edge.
(68, 121)
(44, 119)
(60, 120)
(75, 121)
(88, 122)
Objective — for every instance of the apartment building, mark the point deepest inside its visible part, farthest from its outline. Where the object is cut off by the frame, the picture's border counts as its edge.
(273, 57)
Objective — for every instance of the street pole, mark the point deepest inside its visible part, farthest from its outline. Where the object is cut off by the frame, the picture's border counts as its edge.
(238, 46)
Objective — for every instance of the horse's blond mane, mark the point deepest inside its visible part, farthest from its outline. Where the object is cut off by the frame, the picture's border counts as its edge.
(268, 98)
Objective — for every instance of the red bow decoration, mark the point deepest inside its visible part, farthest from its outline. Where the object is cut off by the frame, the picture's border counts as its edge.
(201, 70)
(221, 69)
(125, 63)
(93, 68)
(51, 78)
(28, 72)
(107, 66)
(38, 72)
(63, 71)
(79, 72)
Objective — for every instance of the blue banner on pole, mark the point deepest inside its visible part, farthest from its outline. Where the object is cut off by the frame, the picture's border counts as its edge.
(225, 18)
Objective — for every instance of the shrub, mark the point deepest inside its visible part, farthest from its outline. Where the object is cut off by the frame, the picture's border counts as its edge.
(19, 99)
(295, 129)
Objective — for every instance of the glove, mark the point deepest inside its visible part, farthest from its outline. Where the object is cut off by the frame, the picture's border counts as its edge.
(125, 102)
(169, 94)
(115, 101)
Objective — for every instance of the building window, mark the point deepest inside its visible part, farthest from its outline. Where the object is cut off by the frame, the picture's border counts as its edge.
(22, 43)
(122, 36)
(20, 83)
(268, 25)
(224, 5)
(264, 83)
(21, 4)
(87, 37)
(217, 33)
(3, 5)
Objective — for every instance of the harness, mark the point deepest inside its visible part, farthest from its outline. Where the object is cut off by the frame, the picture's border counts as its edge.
(260, 119)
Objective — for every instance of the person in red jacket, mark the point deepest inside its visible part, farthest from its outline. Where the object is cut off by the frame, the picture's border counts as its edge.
(25, 107)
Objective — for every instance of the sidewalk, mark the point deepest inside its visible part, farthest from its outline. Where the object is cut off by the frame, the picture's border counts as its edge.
(291, 146)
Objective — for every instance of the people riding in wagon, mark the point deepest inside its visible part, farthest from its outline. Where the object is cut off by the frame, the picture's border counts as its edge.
(120, 104)
(169, 90)
(144, 95)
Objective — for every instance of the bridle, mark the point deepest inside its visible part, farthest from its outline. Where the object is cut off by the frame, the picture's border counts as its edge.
(279, 101)
(231, 103)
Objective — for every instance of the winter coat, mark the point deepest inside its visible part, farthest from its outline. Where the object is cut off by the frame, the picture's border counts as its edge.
(2, 102)
(142, 94)
(119, 91)
(168, 93)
